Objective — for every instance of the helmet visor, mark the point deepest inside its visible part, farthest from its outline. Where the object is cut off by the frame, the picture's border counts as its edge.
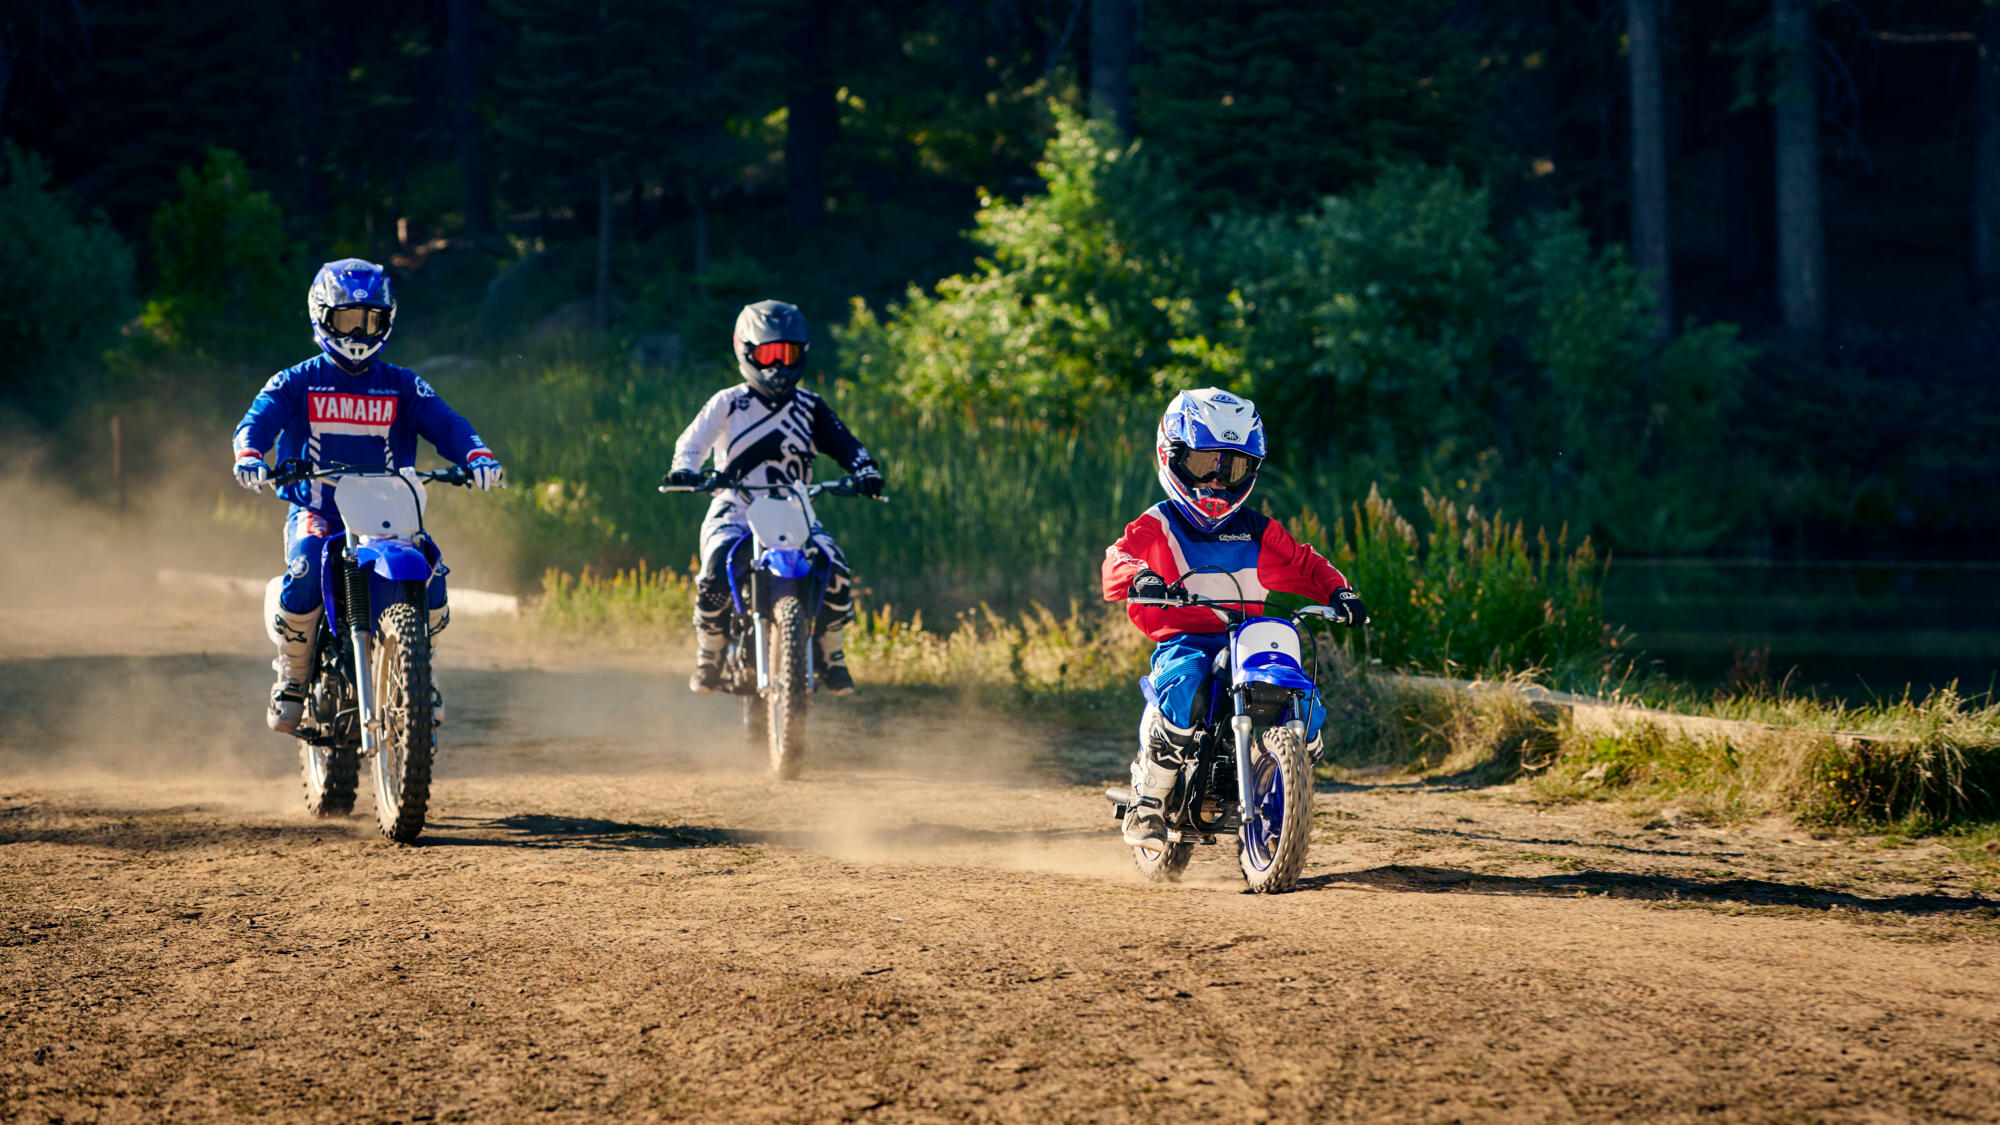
(778, 353)
(1229, 468)
(357, 320)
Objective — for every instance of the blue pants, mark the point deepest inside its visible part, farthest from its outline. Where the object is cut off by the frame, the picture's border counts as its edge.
(307, 534)
(1181, 668)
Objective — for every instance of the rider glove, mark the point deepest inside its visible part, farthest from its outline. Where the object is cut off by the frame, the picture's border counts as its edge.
(868, 481)
(1146, 584)
(251, 472)
(684, 478)
(485, 470)
(1352, 612)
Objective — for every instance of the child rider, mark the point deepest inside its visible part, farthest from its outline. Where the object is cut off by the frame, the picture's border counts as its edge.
(344, 406)
(767, 431)
(1210, 446)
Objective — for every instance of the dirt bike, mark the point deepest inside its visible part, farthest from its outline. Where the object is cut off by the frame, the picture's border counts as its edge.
(775, 587)
(370, 696)
(1260, 751)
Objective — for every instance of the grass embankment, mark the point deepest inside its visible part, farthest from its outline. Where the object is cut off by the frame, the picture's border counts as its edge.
(1474, 597)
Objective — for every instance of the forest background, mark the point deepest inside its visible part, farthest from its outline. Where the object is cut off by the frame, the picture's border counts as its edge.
(1689, 277)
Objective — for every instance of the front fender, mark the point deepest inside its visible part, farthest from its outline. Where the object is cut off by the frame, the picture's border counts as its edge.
(1276, 670)
(395, 560)
(785, 562)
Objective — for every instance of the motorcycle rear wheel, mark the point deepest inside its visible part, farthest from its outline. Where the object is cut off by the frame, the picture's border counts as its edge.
(331, 774)
(402, 673)
(1166, 865)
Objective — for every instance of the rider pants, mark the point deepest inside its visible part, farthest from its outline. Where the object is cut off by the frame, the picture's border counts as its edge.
(306, 536)
(1182, 668)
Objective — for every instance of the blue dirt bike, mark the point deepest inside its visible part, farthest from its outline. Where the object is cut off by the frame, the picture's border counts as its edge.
(1249, 741)
(370, 696)
(777, 580)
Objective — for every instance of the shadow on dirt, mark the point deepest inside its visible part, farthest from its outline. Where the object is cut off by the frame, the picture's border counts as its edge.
(1541, 842)
(536, 830)
(1648, 888)
(158, 830)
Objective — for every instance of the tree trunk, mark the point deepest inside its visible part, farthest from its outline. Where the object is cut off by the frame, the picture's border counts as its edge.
(812, 116)
(1113, 40)
(1986, 165)
(1801, 238)
(1650, 248)
(1751, 204)
(601, 306)
(476, 193)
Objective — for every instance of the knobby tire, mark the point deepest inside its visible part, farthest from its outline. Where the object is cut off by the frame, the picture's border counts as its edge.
(1295, 824)
(791, 654)
(402, 673)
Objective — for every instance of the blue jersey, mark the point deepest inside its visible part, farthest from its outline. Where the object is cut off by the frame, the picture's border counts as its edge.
(320, 412)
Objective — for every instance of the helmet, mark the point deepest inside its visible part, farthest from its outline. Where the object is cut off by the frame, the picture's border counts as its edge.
(770, 343)
(1210, 447)
(352, 310)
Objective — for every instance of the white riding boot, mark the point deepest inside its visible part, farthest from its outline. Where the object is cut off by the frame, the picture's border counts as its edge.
(833, 673)
(293, 633)
(1153, 774)
(440, 617)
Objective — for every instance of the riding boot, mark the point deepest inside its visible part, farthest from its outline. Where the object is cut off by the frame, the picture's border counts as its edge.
(293, 633)
(1162, 748)
(440, 617)
(708, 646)
(832, 661)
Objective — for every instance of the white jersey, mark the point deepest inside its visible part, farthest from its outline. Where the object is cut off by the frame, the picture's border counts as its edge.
(751, 439)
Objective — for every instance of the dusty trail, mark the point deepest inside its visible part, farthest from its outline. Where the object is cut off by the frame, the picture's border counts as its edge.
(614, 916)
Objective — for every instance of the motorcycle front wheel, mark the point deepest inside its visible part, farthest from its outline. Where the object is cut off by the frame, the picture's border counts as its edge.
(331, 774)
(1277, 817)
(403, 753)
(785, 698)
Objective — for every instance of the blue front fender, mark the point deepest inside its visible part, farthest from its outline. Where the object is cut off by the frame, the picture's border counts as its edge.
(1278, 671)
(395, 560)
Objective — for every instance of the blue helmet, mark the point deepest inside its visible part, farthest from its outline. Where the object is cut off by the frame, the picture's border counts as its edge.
(352, 310)
(1210, 447)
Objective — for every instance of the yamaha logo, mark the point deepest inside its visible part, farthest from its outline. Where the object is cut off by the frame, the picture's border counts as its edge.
(1230, 435)
(360, 294)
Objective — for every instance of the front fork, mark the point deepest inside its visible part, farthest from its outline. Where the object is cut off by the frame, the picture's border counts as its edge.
(778, 587)
(361, 640)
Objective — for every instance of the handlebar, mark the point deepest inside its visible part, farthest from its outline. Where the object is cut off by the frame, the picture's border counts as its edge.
(1236, 614)
(298, 469)
(718, 482)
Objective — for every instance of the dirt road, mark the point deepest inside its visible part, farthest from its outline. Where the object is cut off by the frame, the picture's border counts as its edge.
(614, 916)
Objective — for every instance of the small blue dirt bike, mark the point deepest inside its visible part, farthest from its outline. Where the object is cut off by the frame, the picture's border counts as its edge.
(777, 580)
(371, 695)
(1250, 739)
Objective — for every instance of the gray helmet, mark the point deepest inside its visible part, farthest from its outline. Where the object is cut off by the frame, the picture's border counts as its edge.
(766, 326)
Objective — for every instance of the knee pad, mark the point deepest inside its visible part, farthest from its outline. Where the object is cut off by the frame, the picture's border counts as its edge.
(836, 608)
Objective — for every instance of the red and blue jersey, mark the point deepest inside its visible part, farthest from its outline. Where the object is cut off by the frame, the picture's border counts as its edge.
(1253, 551)
(319, 412)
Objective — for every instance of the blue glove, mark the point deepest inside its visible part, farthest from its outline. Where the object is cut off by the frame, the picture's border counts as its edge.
(251, 472)
(486, 472)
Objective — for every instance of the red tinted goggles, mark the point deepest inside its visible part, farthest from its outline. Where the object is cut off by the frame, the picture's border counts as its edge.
(778, 353)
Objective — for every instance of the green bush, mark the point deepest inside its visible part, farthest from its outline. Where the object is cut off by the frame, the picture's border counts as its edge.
(1390, 334)
(229, 279)
(66, 288)
(1475, 595)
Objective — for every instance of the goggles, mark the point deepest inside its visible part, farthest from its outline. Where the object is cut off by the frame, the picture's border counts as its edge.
(365, 321)
(778, 353)
(1230, 468)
